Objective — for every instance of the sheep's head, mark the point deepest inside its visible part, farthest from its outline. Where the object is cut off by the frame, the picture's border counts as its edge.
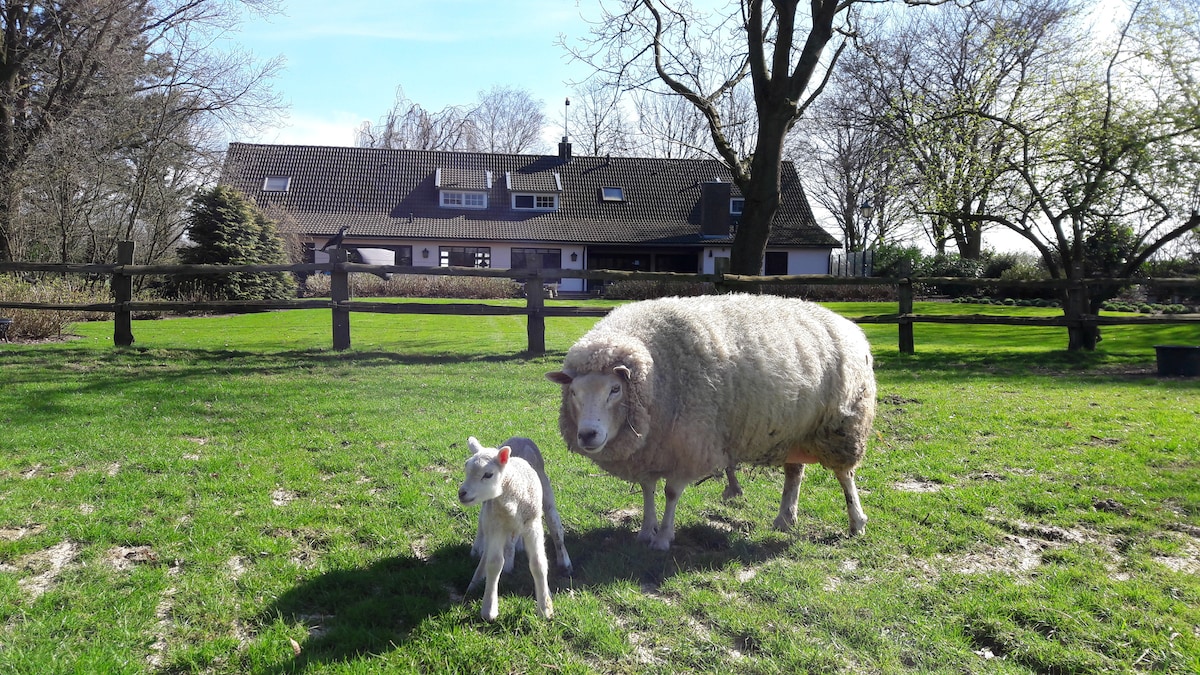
(484, 471)
(598, 403)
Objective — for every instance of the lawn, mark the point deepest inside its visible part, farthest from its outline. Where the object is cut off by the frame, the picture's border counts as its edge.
(231, 496)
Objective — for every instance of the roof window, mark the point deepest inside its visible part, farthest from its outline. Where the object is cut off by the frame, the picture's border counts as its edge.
(612, 194)
(276, 183)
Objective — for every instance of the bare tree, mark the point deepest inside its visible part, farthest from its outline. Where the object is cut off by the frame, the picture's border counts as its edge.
(507, 120)
(409, 126)
(62, 63)
(597, 121)
(778, 47)
(670, 127)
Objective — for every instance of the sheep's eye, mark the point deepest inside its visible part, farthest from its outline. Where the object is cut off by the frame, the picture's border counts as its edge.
(488, 475)
(615, 390)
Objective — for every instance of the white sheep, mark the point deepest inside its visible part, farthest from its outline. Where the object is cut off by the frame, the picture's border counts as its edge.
(682, 388)
(510, 497)
(527, 450)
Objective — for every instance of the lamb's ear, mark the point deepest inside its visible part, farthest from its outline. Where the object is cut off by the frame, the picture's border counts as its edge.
(559, 377)
(624, 372)
(474, 444)
(503, 456)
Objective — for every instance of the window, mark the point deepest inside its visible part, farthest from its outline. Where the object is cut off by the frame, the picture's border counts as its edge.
(464, 200)
(276, 183)
(776, 262)
(612, 194)
(536, 258)
(535, 202)
(464, 256)
(736, 205)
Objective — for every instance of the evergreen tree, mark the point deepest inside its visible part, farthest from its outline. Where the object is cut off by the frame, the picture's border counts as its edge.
(227, 229)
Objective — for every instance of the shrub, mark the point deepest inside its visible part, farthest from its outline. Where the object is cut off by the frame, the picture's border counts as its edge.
(42, 324)
(418, 286)
(647, 289)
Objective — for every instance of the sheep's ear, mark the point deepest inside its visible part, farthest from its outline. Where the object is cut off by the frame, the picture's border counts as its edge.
(560, 377)
(503, 456)
(624, 372)
(474, 444)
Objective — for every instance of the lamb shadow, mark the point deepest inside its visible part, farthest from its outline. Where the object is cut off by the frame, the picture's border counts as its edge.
(351, 613)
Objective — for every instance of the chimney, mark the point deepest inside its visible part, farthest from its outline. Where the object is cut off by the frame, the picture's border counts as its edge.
(564, 150)
(714, 209)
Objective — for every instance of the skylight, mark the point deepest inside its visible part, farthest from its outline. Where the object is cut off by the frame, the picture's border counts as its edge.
(612, 194)
(276, 183)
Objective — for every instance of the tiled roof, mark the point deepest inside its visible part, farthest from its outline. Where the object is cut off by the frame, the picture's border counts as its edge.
(394, 194)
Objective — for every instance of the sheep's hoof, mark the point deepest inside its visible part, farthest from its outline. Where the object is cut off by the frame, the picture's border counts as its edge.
(647, 535)
(661, 544)
(784, 523)
(547, 611)
(731, 493)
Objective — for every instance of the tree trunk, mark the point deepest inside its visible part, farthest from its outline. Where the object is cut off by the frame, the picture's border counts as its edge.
(762, 199)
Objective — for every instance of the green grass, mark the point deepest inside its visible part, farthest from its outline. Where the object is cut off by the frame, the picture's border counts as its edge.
(230, 487)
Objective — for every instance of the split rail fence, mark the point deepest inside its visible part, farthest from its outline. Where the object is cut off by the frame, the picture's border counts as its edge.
(536, 311)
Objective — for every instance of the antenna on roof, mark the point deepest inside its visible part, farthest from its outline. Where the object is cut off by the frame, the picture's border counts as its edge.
(566, 116)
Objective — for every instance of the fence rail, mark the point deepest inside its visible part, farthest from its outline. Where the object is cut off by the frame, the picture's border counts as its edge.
(341, 305)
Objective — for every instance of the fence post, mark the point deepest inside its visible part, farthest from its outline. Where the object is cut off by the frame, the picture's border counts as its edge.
(122, 288)
(535, 326)
(339, 292)
(905, 291)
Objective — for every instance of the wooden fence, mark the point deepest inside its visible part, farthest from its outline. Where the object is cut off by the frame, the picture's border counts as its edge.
(536, 311)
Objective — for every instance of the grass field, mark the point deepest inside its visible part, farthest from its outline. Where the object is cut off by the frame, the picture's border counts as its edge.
(231, 496)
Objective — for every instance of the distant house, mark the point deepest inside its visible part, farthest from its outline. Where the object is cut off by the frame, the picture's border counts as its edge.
(520, 211)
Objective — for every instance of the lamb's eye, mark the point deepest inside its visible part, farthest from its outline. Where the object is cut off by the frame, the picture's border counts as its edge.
(488, 475)
(615, 390)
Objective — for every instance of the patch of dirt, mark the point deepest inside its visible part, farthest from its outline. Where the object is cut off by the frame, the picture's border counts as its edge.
(625, 517)
(236, 566)
(281, 497)
(914, 485)
(48, 564)
(15, 533)
(895, 399)
(126, 557)
(31, 472)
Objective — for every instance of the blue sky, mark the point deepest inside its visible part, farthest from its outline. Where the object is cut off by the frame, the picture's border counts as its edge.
(345, 58)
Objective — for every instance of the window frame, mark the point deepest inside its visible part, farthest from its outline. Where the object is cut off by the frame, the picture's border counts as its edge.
(268, 181)
(741, 206)
(536, 197)
(619, 195)
(463, 197)
(481, 256)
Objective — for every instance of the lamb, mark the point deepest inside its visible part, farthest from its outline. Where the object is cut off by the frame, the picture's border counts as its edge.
(682, 388)
(527, 450)
(510, 495)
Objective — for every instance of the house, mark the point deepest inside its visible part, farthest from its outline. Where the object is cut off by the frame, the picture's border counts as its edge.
(430, 208)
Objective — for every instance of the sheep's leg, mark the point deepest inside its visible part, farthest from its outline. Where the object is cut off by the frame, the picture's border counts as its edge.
(733, 489)
(649, 513)
(510, 553)
(793, 474)
(666, 532)
(535, 549)
(554, 524)
(478, 546)
(492, 561)
(858, 519)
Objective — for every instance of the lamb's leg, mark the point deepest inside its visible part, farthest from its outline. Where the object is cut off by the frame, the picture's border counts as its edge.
(493, 561)
(510, 553)
(535, 549)
(478, 546)
(793, 474)
(733, 489)
(649, 513)
(858, 519)
(554, 524)
(666, 532)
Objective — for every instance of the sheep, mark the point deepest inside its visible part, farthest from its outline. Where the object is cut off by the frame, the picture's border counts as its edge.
(527, 450)
(682, 388)
(510, 497)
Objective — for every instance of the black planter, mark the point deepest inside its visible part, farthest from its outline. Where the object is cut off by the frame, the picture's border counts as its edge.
(1178, 360)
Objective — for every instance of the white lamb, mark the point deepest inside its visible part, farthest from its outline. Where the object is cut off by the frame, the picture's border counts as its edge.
(510, 497)
(527, 450)
(677, 389)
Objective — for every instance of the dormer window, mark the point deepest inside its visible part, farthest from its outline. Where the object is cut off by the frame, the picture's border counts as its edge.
(736, 205)
(456, 199)
(612, 194)
(276, 183)
(528, 202)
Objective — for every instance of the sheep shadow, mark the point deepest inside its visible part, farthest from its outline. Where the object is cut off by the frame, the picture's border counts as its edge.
(351, 613)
